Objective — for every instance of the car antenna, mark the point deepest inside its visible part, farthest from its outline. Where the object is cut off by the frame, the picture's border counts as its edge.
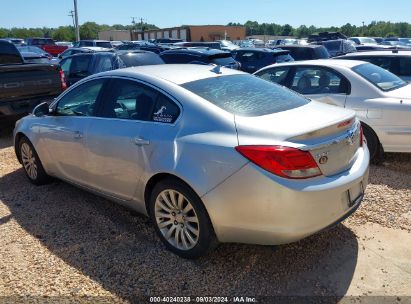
(216, 69)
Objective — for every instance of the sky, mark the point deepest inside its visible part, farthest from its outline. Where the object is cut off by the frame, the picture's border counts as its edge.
(169, 13)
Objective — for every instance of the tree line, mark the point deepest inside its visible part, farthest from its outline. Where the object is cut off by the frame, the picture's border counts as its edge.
(374, 29)
(89, 30)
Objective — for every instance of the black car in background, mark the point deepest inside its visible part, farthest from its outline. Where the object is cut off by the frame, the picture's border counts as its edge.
(211, 45)
(79, 66)
(200, 56)
(338, 47)
(253, 59)
(75, 50)
(307, 52)
(139, 57)
(397, 62)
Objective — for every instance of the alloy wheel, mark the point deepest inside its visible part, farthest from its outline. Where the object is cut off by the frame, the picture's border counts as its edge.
(176, 219)
(29, 161)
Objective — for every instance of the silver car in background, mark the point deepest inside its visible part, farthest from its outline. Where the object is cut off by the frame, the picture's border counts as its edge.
(210, 154)
(381, 100)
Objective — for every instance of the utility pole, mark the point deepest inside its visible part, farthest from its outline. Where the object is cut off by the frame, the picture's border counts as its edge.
(71, 14)
(77, 28)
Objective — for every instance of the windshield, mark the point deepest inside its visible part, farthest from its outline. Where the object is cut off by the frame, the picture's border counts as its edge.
(384, 80)
(246, 95)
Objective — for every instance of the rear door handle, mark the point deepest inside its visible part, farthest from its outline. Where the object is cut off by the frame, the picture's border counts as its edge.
(141, 141)
(78, 134)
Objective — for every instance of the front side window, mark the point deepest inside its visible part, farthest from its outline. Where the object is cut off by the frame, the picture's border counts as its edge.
(384, 80)
(81, 100)
(318, 80)
(277, 75)
(246, 95)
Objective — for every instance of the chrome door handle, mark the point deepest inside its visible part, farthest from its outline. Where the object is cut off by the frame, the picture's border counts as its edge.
(141, 141)
(78, 134)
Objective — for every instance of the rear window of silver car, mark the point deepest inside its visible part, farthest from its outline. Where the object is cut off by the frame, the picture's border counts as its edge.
(246, 95)
(381, 78)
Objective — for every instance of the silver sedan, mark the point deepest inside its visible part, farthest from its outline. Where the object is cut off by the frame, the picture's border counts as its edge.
(209, 154)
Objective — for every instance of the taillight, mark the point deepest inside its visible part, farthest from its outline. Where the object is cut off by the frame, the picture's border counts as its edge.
(282, 161)
(62, 80)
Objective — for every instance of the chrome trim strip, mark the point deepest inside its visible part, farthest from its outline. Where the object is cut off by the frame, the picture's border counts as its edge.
(336, 140)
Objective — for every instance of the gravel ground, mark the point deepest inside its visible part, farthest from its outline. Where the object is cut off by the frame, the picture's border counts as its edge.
(59, 241)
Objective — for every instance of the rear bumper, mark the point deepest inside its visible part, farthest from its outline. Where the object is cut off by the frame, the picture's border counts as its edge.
(14, 108)
(254, 206)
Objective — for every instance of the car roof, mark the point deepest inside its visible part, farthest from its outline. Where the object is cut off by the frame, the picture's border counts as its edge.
(96, 40)
(298, 46)
(123, 52)
(91, 54)
(380, 53)
(262, 50)
(323, 62)
(175, 73)
(195, 50)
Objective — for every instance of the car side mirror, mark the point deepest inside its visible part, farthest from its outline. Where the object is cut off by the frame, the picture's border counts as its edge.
(41, 109)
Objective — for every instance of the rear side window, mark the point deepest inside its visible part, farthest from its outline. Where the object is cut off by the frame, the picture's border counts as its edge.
(165, 110)
(134, 101)
(405, 66)
(319, 80)
(246, 95)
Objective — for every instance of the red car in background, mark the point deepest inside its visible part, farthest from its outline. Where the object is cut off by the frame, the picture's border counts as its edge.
(47, 44)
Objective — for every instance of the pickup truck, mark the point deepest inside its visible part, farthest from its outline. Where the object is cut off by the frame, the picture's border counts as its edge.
(24, 85)
(48, 45)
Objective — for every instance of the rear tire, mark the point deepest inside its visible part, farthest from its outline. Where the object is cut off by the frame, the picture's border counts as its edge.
(180, 219)
(374, 145)
(31, 163)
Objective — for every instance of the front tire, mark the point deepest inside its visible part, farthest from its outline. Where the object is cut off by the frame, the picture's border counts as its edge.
(31, 163)
(180, 219)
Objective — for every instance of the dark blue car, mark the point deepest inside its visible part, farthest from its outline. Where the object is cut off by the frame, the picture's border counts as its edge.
(253, 59)
(200, 56)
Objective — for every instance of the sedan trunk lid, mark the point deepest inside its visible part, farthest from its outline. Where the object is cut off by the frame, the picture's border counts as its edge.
(329, 133)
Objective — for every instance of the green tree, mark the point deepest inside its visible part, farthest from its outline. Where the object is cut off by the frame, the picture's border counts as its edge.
(89, 30)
